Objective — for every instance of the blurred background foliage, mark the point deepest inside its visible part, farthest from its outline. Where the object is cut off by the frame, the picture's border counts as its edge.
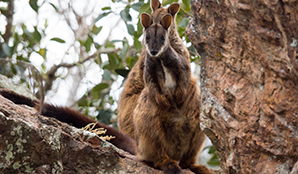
(18, 43)
(22, 43)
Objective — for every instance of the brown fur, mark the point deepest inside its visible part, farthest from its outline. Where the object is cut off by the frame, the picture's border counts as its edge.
(166, 119)
(134, 83)
(72, 117)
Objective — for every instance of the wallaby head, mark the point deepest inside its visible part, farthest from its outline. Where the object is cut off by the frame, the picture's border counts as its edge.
(158, 11)
(156, 38)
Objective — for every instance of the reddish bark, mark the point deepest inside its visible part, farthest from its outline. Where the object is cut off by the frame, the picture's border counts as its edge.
(249, 81)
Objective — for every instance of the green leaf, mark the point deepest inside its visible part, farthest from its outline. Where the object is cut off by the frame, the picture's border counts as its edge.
(33, 4)
(212, 150)
(83, 102)
(96, 30)
(105, 65)
(117, 40)
(145, 8)
(130, 29)
(101, 16)
(6, 49)
(23, 59)
(122, 72)
(214, 161)
(106, 8)
(97, 45)
(43, 67)
(36, 34)
(100, 86)
(13, 68)
(166, 2)
(183, 23)
(137, 6)
(125, 15)
(3, 11)
(113, 61)
(87, 44)
(137, 44)
(109, 44)
(107, 75)
(56, 9)
(139, 29)
(186, 5)
(26, 33)
(130, 61)
(194, 58)
(105, 116)
(42, 52)
(124, 50)
(57, 40)
(96, 90)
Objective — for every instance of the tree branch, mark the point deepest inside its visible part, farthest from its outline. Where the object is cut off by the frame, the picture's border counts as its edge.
(51, 74)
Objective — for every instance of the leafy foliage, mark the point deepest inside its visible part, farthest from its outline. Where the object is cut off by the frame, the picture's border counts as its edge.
(214, 160)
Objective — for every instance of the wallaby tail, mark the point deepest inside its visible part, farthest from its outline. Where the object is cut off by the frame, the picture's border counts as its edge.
(72, 117)
(16, 98)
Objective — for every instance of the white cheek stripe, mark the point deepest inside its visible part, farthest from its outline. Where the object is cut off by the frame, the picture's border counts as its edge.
(162, 49)
(165, 44)
(147, 49)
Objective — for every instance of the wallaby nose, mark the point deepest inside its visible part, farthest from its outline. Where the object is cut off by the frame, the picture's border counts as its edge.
(153, 52)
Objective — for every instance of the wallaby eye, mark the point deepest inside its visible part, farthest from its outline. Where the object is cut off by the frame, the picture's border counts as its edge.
(162, 38)
(147, 38)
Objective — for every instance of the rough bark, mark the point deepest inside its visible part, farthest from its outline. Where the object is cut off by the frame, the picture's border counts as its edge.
(249, 81)
(32, 143)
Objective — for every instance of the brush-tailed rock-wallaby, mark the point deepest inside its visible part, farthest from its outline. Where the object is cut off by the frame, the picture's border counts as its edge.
(134, 83)
(166, 119)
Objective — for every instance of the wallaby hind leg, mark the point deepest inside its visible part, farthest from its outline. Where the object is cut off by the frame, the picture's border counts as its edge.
(189, 159)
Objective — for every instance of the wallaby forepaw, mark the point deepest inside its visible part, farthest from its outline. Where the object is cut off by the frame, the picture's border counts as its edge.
(169, 167)
(172, 169)
(199, 169)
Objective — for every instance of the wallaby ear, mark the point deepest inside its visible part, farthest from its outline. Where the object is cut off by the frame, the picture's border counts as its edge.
(166, 21)
(146, 20)
(155, 4)
(174, 8)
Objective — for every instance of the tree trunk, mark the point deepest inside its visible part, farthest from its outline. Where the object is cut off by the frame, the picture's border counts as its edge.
(249, 81)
